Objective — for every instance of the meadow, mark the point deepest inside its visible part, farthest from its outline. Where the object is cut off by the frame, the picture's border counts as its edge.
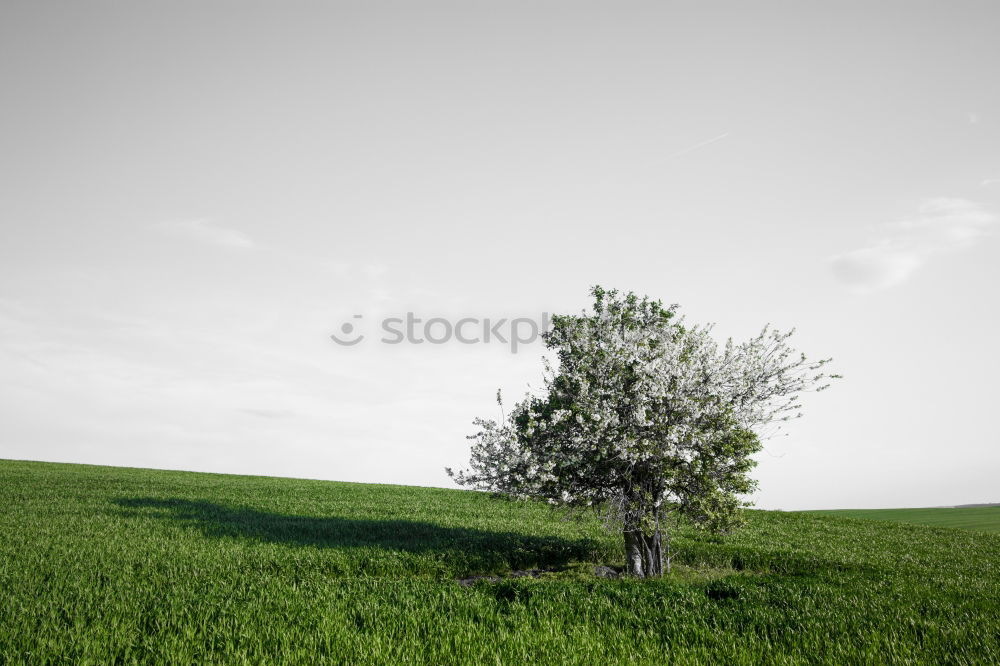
(112, 565)
(981, 518)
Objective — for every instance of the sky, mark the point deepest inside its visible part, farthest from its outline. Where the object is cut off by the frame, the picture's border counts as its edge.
(195, 195)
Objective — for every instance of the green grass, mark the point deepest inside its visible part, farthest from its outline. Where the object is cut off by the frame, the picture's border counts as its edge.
(982, 518)
(107, 565)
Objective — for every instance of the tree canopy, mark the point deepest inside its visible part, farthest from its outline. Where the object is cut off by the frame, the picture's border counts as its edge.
(644, 418)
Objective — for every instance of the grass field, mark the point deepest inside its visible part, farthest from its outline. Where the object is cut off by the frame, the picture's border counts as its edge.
(108, 565)
(981, 518)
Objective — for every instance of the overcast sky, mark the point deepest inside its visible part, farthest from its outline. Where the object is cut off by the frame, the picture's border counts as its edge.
(195, 195)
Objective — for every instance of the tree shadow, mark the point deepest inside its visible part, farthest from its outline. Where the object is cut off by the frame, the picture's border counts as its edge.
(464, 549)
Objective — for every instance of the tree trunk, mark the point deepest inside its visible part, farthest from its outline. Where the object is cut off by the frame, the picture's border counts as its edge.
(643, 553)
(634, 563)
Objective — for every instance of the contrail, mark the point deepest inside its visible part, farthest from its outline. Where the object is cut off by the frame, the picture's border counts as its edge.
(698, 145)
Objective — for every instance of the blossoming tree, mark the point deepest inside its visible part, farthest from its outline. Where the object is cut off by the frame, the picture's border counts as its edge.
(645, 419)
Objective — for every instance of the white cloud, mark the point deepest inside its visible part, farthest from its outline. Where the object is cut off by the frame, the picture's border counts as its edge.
(940, 225)
(205, 231)
(875, 267)
(944, 223)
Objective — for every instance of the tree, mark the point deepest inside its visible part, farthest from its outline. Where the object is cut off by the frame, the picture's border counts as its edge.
(644, 419)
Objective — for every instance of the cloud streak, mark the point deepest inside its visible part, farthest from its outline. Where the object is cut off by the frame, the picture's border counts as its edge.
(939, 226)
(702, 144)
(202, 230)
